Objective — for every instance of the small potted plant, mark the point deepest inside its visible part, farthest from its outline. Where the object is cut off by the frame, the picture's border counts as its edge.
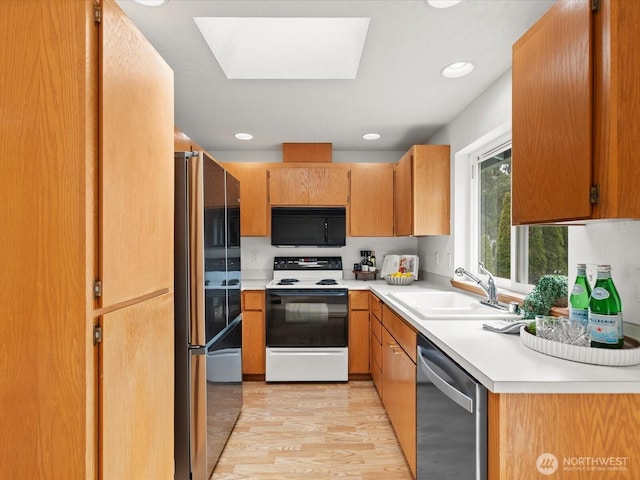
(550, 290)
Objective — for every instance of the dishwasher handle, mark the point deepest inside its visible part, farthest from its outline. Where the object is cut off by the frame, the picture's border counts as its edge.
(450, 391)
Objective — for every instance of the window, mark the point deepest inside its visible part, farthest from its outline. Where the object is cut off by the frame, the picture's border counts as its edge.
(516, 256)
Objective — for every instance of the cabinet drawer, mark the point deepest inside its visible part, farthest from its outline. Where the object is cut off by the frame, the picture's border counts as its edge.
(403, 333)
(376, 329)
(376, 375)
(253, 300)
(359, 300)
(375, 306)
(376, 353)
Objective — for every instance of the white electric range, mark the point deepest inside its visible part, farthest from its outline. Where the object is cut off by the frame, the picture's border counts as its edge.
(307, 316)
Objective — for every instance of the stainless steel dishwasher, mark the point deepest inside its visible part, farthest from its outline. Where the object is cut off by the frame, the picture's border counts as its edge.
(451, 419)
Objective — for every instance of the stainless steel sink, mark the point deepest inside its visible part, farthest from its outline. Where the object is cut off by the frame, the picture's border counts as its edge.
(432, 305)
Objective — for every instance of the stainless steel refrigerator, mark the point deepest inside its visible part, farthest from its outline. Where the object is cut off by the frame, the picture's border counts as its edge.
(208, 320)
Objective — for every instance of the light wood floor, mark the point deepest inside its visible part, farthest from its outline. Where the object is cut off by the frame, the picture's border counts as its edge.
(312, 432)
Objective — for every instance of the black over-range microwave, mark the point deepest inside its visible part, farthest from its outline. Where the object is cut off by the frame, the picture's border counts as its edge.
(308, 226)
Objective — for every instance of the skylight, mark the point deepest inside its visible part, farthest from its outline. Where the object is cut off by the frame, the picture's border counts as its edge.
(286, 48)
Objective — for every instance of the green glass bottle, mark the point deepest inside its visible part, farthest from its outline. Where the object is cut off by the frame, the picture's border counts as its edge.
(605, 312)
(579, 297)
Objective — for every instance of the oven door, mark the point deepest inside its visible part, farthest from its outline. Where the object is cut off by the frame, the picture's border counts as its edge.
(307, 318)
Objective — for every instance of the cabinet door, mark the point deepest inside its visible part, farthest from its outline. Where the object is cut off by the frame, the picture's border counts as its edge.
(402, 196)
(288, 186)
(136, 391)
(522, 427)
(328, 186)
(253, 333)
(431, 190)
(552, 117)
(358, 341)
(617, 103)
(371, 200)
(254, 208)
(136, 163)
(399, 395)
(314, 186)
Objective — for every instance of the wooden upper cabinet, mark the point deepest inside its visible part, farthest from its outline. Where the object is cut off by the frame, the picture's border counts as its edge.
(136, 163)
(307, 152)
(575, 125)
(304, 185)
(371, 208)
(421, 189)
(254, 208)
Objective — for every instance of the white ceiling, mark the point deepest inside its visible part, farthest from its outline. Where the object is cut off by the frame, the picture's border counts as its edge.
(398, 91)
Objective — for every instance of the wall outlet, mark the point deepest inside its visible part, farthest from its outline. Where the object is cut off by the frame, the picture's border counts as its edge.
(254, 258)
(437, 258)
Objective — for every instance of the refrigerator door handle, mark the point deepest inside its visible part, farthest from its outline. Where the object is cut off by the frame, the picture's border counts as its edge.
(197, 332)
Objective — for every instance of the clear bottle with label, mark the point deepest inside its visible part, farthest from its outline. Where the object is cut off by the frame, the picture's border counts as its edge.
(579, 297)
(372, 267)
(605, 312)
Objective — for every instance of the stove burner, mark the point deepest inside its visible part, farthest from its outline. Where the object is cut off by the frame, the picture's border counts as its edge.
(288, 281)
(327, 281)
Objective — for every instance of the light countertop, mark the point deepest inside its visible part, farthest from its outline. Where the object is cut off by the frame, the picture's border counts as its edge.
(504, 365)
(500, 361)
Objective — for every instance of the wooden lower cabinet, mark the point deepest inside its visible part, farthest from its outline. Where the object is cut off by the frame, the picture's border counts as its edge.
(253, 332)
(399, 381)
(134, 374)
(359, 332)
(375, 337)
(581, 436)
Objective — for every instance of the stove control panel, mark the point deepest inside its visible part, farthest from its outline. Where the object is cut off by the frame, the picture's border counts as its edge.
(307, 263)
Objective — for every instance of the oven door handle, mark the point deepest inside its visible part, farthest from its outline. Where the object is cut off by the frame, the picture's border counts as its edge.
(450, 391)
(305, 292)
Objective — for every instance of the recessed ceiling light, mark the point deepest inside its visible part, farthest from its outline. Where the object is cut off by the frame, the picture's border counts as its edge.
(443, 3)
(458, 69)
(371, 136)
(243, 136)
(150, 3)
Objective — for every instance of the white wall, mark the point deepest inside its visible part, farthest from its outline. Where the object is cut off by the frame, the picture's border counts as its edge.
(338, 156)
(257, 253)
(611, 242)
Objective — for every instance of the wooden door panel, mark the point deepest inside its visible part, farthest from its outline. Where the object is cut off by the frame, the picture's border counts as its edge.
(552, 117)
(136, 163)
(136, 391)
(402, 195)
(254, 211)
(371, 206)
(253, 343)
(358, 341)
(328, 186)
(288, 186)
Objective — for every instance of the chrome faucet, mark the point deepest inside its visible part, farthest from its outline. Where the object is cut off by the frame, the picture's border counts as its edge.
(489, 288)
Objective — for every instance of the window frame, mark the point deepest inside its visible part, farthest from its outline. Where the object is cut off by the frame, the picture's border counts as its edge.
(519, 234)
